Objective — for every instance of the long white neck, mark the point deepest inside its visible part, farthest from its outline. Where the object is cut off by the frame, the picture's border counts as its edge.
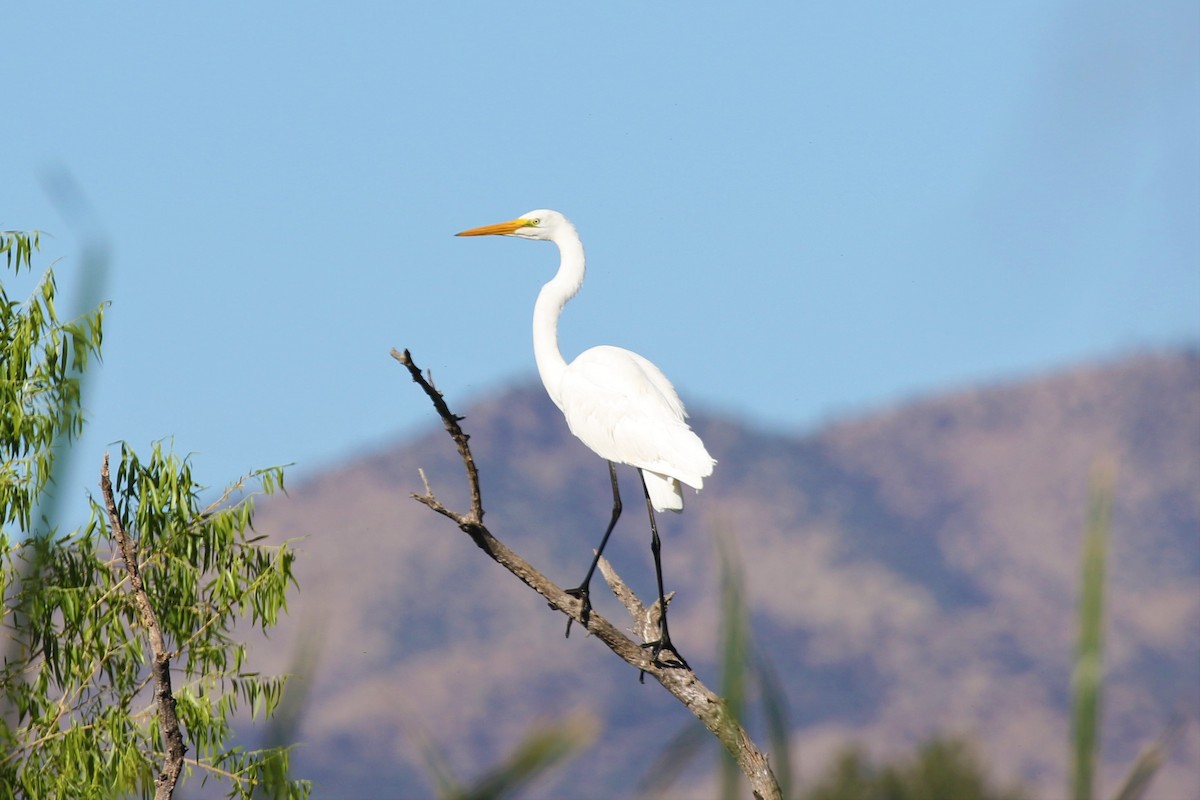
(554, 295)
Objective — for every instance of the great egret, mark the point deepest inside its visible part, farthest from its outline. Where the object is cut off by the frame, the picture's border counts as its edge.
(615, 402)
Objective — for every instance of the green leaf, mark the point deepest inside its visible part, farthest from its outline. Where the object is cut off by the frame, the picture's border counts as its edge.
(77, 715)
(1087, 676)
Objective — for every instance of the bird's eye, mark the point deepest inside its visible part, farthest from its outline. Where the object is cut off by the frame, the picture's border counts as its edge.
(535, 222)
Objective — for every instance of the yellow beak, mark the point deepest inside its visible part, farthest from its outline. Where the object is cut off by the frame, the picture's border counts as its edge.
(499, 228)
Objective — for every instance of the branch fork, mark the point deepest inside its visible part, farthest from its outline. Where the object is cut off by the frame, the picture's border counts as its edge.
(682, 683)
(160, 669)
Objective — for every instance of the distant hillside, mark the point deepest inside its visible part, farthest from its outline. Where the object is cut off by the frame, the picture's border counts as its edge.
(910, 572)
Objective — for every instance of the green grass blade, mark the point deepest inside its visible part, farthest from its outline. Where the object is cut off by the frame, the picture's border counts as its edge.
(94, 260)
(537, 753)
(1087, 677)
(1148, 762)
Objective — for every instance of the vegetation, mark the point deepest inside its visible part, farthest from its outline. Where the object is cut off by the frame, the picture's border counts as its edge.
(120, 671)
(1087, 678)
(120, 667)
(540, 750)
(942, 769)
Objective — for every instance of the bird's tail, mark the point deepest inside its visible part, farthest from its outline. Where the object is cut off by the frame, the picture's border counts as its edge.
(665, 492)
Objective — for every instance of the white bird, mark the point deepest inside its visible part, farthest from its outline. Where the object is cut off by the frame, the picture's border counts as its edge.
(615, 401)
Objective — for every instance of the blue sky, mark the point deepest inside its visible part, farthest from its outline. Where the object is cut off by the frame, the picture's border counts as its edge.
(799, 211)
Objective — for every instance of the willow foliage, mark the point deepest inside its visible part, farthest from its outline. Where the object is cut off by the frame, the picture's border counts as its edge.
(78, 717)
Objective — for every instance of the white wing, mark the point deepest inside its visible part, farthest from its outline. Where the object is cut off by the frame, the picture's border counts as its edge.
(623, 407)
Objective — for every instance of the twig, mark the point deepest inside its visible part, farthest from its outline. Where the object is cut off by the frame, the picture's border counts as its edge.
(168, 721)
(645, 620)
(451, 422)
(683, 684)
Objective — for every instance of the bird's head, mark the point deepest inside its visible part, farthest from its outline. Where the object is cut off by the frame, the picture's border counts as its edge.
(540, 224)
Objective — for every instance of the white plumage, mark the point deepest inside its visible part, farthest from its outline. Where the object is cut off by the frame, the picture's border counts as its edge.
(623, 408)
(616, 402)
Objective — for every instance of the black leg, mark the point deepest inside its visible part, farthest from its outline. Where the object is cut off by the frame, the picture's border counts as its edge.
(664, 638)
(582, 591)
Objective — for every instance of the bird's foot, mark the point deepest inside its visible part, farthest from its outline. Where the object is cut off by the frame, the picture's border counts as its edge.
(585, 612)
(674, 659)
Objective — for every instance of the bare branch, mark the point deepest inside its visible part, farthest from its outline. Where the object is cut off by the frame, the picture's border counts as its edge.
(168, 721)
(645, 620)
(451, 422)
(683, 684)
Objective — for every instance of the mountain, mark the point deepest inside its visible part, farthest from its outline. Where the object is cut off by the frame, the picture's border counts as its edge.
(909, 572)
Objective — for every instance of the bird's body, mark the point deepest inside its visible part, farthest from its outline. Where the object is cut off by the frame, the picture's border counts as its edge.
(615, 401)
(623, 408)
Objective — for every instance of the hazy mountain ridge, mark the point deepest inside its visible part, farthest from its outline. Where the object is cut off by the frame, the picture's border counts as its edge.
(910, 571)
